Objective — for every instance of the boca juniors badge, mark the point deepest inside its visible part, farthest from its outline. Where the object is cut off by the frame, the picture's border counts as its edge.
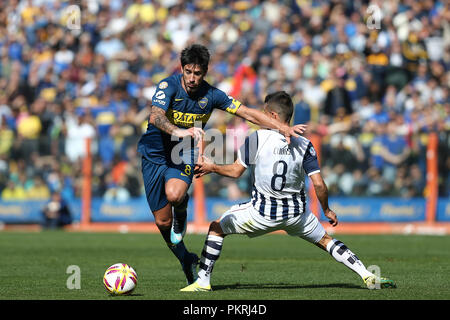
(203, 102)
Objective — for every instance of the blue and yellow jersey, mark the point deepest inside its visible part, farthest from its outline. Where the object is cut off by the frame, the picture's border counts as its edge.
(183, 111)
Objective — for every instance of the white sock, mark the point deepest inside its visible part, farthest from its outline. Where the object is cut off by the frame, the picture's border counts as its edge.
(342, 254)
(210, 254)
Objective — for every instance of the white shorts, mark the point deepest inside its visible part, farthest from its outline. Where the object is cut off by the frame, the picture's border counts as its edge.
(244, 219)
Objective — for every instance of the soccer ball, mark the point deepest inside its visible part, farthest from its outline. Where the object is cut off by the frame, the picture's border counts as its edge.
(120, 279)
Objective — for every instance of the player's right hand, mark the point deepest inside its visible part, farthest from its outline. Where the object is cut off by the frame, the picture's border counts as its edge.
(196, 133)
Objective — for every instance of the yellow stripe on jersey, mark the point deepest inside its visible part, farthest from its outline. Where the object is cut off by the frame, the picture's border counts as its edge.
(186, 120)
(234, 106)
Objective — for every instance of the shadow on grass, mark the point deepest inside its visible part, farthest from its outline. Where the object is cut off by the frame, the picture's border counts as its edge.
(287, 286)
(126, 295)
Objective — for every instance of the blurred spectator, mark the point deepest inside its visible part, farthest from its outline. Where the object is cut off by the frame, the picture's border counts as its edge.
(337, 101)
(38, 190)
(13, 192)
(390, 150)
(56, 213)
(116, 191)
(77, 132)
(302, 109)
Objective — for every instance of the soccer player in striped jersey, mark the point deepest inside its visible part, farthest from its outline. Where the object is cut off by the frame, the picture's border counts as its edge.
(181, 107)
(278, 197)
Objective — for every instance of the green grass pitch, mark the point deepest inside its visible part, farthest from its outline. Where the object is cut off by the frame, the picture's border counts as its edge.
(272, 267)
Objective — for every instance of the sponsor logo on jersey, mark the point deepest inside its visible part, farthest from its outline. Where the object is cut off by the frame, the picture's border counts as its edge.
(160, 95)
(161, 102)
(186, 119)
(203, 102)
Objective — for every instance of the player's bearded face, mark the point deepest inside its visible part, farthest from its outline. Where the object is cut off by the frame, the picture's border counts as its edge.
(193, 76)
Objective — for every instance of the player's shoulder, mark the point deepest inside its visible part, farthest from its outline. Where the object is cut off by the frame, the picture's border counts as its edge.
(208, 86)
(170, 83)
(214, 91)
(295, 141)
(300, 142)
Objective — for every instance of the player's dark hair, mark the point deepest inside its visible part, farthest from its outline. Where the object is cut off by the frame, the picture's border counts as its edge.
(281, 103)
(195, 54)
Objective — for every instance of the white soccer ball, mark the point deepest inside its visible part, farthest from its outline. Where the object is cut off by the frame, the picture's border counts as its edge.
(120, 279)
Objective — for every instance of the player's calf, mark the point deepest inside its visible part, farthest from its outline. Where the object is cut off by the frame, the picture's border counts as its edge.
(178, 228)
(210, 254)
(341, 253)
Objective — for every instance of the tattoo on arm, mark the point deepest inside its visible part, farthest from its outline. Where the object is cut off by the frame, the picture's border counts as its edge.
(159, 119)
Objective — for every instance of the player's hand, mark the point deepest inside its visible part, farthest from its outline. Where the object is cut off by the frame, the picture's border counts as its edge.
(196, 133)
(204, 166)
(332, 218)
(293, 131)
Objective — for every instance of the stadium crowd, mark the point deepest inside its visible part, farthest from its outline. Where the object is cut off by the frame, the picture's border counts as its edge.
(371, 83)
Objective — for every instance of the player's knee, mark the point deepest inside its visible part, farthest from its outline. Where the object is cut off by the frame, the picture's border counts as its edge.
(174, 196)
(216, 229)
(163, 222)
(322, 243)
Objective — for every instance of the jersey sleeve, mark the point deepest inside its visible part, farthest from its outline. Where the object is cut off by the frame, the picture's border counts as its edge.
(247, 152)
(310, 162)
(225, 102)
(163, 94)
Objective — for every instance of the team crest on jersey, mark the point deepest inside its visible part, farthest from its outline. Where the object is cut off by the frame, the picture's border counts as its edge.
(203, 102)
(312, 151)
(163, 85)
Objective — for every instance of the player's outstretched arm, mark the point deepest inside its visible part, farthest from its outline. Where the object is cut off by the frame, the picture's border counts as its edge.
(322, 194)
(261, 119)
(206, 166)
(159, 119)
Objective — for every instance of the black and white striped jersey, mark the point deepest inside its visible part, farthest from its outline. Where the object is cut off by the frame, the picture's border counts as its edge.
(279, 172)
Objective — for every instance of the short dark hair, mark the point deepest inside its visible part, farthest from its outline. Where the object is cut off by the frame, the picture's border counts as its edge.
(281, 103)
(195, 54)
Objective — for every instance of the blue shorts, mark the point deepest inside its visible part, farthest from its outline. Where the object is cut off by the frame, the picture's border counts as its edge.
(155, 178)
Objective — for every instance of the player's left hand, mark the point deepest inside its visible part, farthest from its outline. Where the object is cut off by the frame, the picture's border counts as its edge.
(204, 166)
(293, 131)
(332, 217)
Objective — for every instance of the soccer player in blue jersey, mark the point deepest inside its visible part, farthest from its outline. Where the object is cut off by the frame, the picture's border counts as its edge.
(278, 197)
(180, 102)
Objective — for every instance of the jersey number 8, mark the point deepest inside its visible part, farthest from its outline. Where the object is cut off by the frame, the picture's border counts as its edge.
(277, 175)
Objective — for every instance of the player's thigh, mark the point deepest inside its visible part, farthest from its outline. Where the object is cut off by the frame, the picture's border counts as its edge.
(154, 184)
(306, 226)
(241, 219)
(178, 180)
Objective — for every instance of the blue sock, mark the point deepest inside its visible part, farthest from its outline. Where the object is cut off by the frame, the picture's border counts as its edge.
(179, 250)
(180, 215)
